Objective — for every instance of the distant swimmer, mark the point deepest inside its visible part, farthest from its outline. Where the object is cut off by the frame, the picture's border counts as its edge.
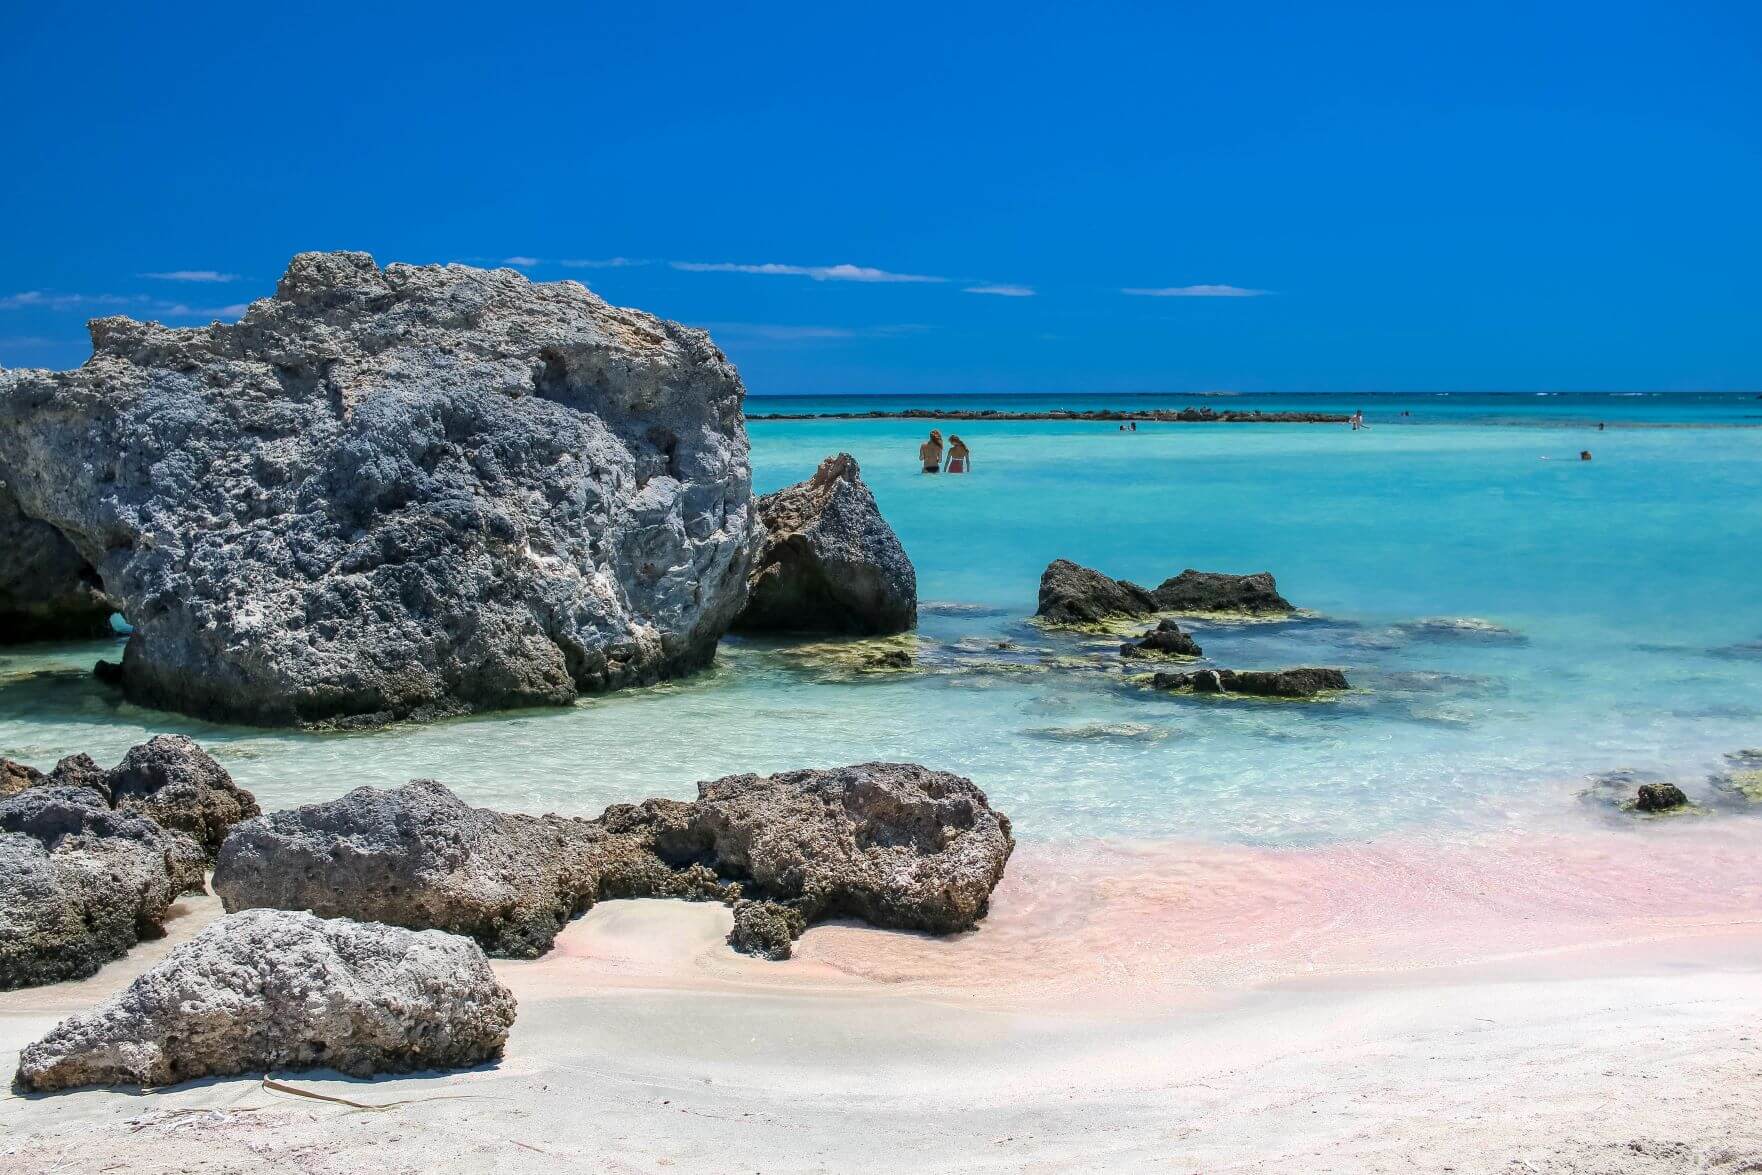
(930, 452)
(1584, 454)
(1358, 420)
(960, 458)
(1599, 426)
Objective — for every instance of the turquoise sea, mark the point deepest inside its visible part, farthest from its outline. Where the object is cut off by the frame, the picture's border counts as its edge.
(1621, 600)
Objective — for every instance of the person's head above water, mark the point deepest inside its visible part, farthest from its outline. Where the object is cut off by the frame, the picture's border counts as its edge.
(936, 435)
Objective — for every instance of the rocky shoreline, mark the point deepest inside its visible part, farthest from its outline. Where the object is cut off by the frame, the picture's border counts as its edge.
(1151, 416)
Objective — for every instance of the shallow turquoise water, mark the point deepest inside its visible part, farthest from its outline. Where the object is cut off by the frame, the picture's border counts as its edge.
(1629, 583)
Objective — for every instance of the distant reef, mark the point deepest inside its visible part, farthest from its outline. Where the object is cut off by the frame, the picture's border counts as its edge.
(1154, 416)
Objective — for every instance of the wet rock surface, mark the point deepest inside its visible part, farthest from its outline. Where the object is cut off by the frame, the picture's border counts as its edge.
(1217, 592)
(1659, 797)
(278, 990)
(80, 884)
(827, 561)
(1071, 594)
(894, 844)
(1305, 682)
(395, 493)
(1165, 640)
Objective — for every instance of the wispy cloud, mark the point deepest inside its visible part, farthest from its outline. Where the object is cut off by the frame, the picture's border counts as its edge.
(179, 310)
(522, 262)
(790, 333)
(1202, 291)
(602, 262)
(23, 342)
(133, 303)
(1001, 289)
(820, 273)
(192, 275)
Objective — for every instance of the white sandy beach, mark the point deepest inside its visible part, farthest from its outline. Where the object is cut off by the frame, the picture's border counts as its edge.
(1102, 1019)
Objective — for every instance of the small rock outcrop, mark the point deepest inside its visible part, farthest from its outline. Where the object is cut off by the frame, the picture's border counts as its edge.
(827, 561)
(169, 779)
(1742, 779)
(1307, 682)
(47, 591)
(1165, 640)
(278, 990)
(1071, 594)
(395, 493)
(895, 844)
(80, 884)
(1658, 797)
(1217, 592)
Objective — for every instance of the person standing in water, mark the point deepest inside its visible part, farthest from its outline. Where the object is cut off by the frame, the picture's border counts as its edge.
(930, 452)
(960, 458)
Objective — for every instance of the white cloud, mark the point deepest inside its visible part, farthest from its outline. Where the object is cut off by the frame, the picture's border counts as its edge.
(789, 333)
(522, 262)
(22, 341)
(38, 298)
(193, 275)
(1202, 291)
(820, 273)
(602, 262)
(179, 310)
(1002, 290)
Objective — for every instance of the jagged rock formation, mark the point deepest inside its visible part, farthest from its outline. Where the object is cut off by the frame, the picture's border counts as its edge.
(47, 591)
(395, 492)
(827, 561)
(80, 884)
(270, 990)
(1218, 592)
(1165, 640)
(896, 844)
(1265, 683)
(1071, 594)
(168, 779)
(1659, 797)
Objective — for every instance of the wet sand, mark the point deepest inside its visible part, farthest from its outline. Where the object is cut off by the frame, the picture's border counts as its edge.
(1583, 1003)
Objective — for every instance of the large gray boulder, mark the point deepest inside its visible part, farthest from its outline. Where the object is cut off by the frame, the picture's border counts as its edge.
(276, 990)
(1219, 592)
(395, 492)
(1074, 595)
(894, 844)
(80, 884)
(827, 561)
(47, 591)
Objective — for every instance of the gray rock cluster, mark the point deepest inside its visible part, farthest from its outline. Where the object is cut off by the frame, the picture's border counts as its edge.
(1167, 639)
(1306, 682)
(1073, 595)
(169, 779)
(270, 990)
(895, 844)
(81, 883)
(388, 493)
(827, 561)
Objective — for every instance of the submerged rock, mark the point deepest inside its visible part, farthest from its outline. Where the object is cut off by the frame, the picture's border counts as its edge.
(1659, 797)
(1306, 682)
(1460, 628)
(398, 492)
(1743, 779)
(80, 884)
(1071, 594)
(1165, 640)
(827, 561)
(1217, 592)
(270, 990)
(47, 591)
(895, 844)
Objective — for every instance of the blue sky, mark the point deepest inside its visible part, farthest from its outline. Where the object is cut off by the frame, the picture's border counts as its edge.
(1163, 197)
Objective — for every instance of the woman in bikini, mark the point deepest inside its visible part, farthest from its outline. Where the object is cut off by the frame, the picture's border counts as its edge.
(930, 452)
(960, 458)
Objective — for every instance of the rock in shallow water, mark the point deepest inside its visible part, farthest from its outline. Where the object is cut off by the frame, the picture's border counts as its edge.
(393, 493)
(1307, 682)
(1165, 640)
(895, 844)
(1071, 594)
(827, 560)
(47, 591)
(270, 990)
(1221, 593)
(80, 884)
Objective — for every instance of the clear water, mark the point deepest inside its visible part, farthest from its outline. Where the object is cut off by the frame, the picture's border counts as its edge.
(1629, 585)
